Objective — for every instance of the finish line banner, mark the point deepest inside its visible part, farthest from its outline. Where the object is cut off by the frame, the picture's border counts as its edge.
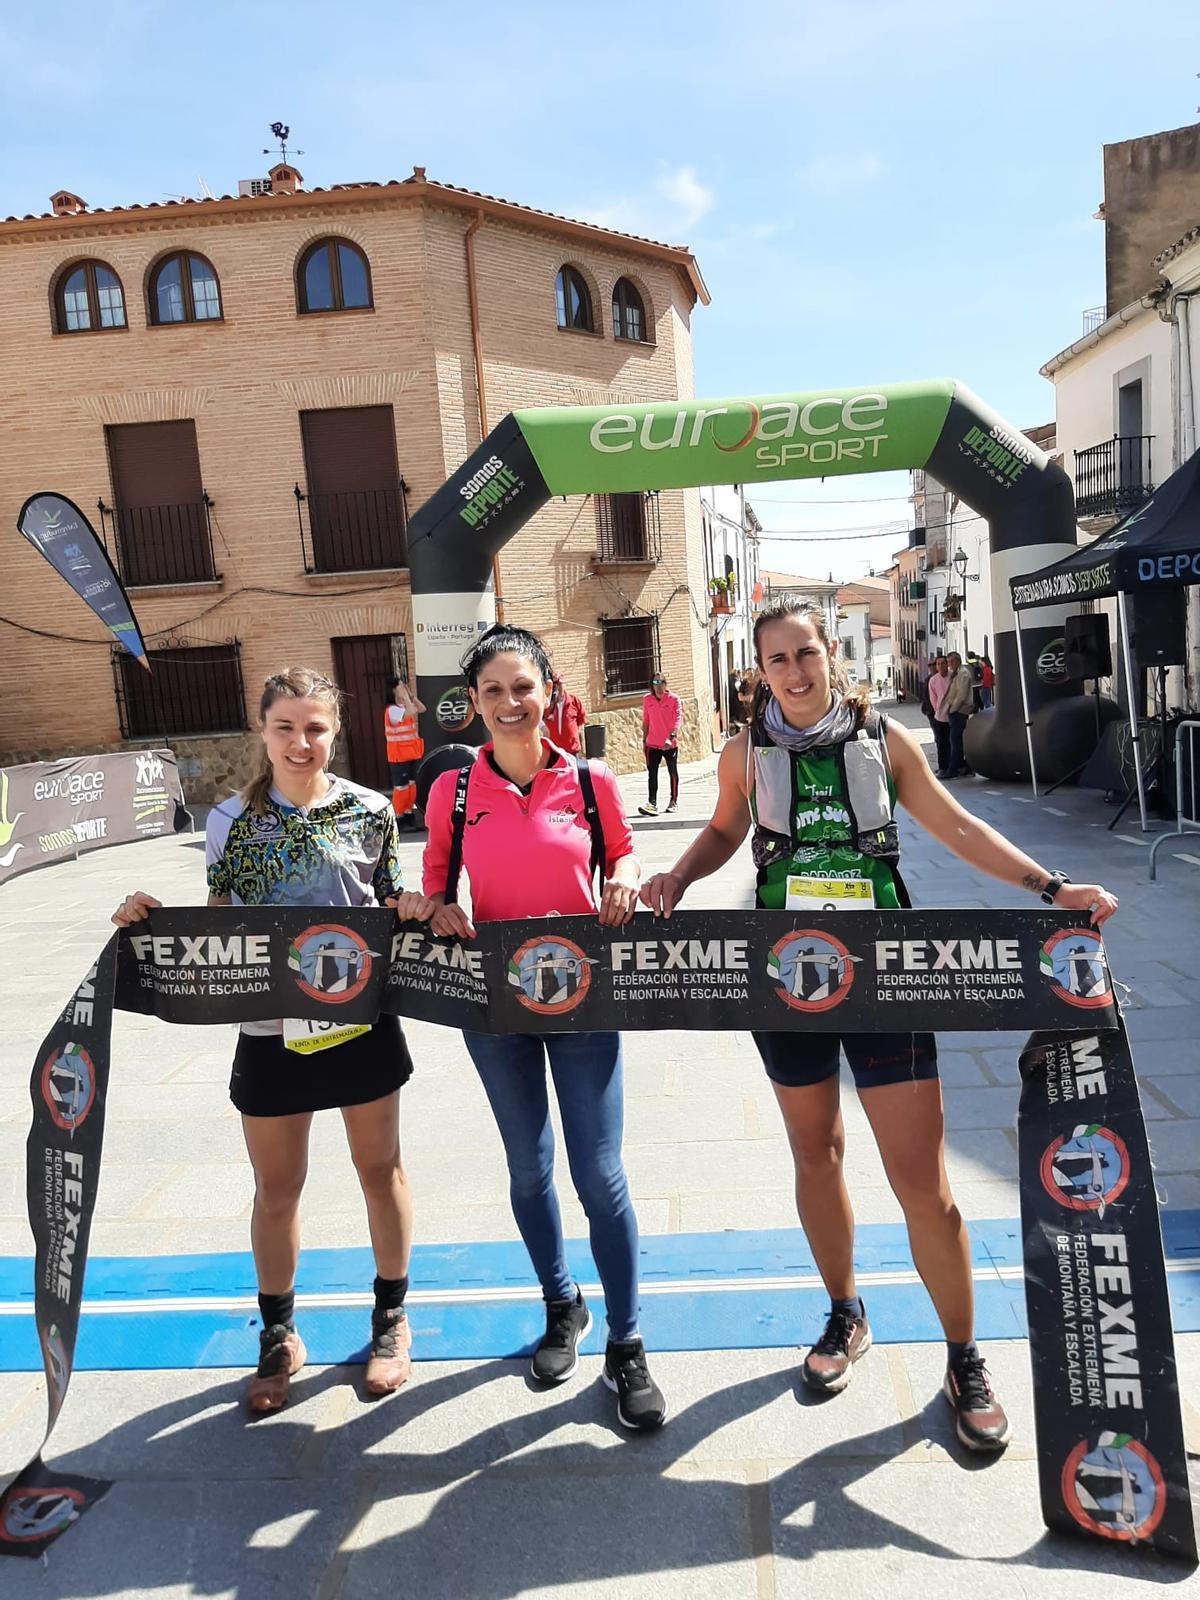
(1106, 1398)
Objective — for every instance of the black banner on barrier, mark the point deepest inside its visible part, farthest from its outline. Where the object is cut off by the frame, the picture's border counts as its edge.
(54, 810)
(1111, 1452)
(1106, 1398)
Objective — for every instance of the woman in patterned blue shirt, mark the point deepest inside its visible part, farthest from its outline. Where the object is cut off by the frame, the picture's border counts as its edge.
(298, 835)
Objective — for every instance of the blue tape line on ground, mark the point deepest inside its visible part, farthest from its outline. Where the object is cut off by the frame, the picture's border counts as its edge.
(879, 1247)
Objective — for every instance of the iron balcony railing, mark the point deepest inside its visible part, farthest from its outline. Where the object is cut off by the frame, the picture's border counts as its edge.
(353, 530)
(1114, 478)
(158, 545)
(628, 528)
(1093, 317)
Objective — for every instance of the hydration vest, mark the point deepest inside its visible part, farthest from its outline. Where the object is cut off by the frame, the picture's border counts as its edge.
(825, 812)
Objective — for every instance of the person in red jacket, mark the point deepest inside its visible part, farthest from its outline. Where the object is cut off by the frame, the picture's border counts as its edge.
(564, 717)
(661, 716)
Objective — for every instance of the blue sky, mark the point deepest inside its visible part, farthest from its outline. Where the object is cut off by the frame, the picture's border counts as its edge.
(875, 191)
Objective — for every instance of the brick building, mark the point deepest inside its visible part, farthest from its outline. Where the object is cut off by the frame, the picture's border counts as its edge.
(250, 395)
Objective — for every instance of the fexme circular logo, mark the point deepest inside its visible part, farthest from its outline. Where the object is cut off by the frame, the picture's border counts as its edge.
(1051, 666)
(1086, 1170)
(1114, 1487)
(69, 1085)
(1074, 961)
(551, 976)
(812, 971)
(454, 710)
(29, 1514)
(330, 963)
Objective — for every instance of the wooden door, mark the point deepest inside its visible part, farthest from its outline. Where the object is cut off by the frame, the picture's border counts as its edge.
(362, 667)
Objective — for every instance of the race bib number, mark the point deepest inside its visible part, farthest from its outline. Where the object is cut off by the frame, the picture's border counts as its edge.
(830, 894)
(305, 1036)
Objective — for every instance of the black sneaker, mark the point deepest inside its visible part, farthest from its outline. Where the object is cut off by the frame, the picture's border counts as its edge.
(979, 1418)
(640, 1404)
(829, 1365)
(556, 1357)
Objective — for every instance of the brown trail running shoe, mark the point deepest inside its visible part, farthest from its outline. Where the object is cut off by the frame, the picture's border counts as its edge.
(979, 1418)
(388, 1364)
(281, 1354)
(829, 1365)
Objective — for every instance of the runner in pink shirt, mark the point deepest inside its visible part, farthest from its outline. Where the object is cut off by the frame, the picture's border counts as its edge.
(661, 716)
(527, 851)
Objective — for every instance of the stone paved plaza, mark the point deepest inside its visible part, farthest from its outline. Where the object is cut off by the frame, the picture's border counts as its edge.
(468, 1484)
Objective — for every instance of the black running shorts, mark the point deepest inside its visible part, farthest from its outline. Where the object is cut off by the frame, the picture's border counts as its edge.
(269, 1080)
(798, 1059)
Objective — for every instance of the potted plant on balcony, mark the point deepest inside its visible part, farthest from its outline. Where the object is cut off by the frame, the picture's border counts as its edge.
(721, 592)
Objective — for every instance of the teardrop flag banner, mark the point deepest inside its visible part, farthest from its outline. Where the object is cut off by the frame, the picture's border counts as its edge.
(58, 530)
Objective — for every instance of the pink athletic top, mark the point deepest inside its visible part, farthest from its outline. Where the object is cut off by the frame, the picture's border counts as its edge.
(661, 718)
(526, 855)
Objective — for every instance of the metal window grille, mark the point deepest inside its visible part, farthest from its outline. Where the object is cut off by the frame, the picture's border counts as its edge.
(631, 653)
(190, 689)
(357, 530)
(628, 528)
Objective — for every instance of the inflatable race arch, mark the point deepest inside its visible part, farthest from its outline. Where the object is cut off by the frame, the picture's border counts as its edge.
(576, 450)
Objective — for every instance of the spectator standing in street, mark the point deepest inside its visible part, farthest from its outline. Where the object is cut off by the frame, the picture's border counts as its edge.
(987, 682)
(564, 717)
(957, 707)
(661, 716)
(933, 695)
(405, 747)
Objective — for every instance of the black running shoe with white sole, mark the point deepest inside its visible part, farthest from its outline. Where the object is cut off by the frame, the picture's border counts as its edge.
(557, 1355)
(640, 1404)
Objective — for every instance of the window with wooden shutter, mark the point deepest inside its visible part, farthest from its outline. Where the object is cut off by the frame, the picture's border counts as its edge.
(161, 512)
(357, 515)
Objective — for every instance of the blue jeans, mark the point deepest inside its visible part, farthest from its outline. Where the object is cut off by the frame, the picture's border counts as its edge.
(586, 1068)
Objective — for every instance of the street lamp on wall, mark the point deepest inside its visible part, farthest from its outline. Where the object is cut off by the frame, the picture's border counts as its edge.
(961, 561)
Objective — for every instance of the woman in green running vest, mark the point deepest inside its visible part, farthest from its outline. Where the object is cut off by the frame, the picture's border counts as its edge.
(818, 774)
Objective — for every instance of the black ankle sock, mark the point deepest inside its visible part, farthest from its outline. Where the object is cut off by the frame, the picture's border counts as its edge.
(277, 1309)
(853, 1305)
(954, 1351)
(389, 1293)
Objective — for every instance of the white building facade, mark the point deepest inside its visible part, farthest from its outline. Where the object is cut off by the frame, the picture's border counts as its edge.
(731, 558)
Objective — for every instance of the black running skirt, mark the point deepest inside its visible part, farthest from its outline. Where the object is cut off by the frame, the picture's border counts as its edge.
(269, 1080)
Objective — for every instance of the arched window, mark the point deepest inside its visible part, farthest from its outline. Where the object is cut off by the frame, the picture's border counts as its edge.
(333, 275)
(574, 301)
(184, 288)
(629, 315)
(88, 297)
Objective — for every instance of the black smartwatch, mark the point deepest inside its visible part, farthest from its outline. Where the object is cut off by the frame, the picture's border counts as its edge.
(1055, 883)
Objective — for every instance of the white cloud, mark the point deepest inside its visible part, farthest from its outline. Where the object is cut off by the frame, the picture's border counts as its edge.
(835, 174)
(673, 205)
(683, 189)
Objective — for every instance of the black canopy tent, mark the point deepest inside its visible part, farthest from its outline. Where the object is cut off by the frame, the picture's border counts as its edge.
(1155, 547)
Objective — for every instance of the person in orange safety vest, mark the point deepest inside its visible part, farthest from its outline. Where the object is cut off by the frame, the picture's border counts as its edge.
(405, 747)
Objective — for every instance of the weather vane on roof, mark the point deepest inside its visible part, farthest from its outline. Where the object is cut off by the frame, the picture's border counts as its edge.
(281, 131)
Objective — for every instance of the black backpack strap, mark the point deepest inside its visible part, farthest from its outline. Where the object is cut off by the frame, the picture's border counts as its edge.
(592, 812)
(458, 823)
